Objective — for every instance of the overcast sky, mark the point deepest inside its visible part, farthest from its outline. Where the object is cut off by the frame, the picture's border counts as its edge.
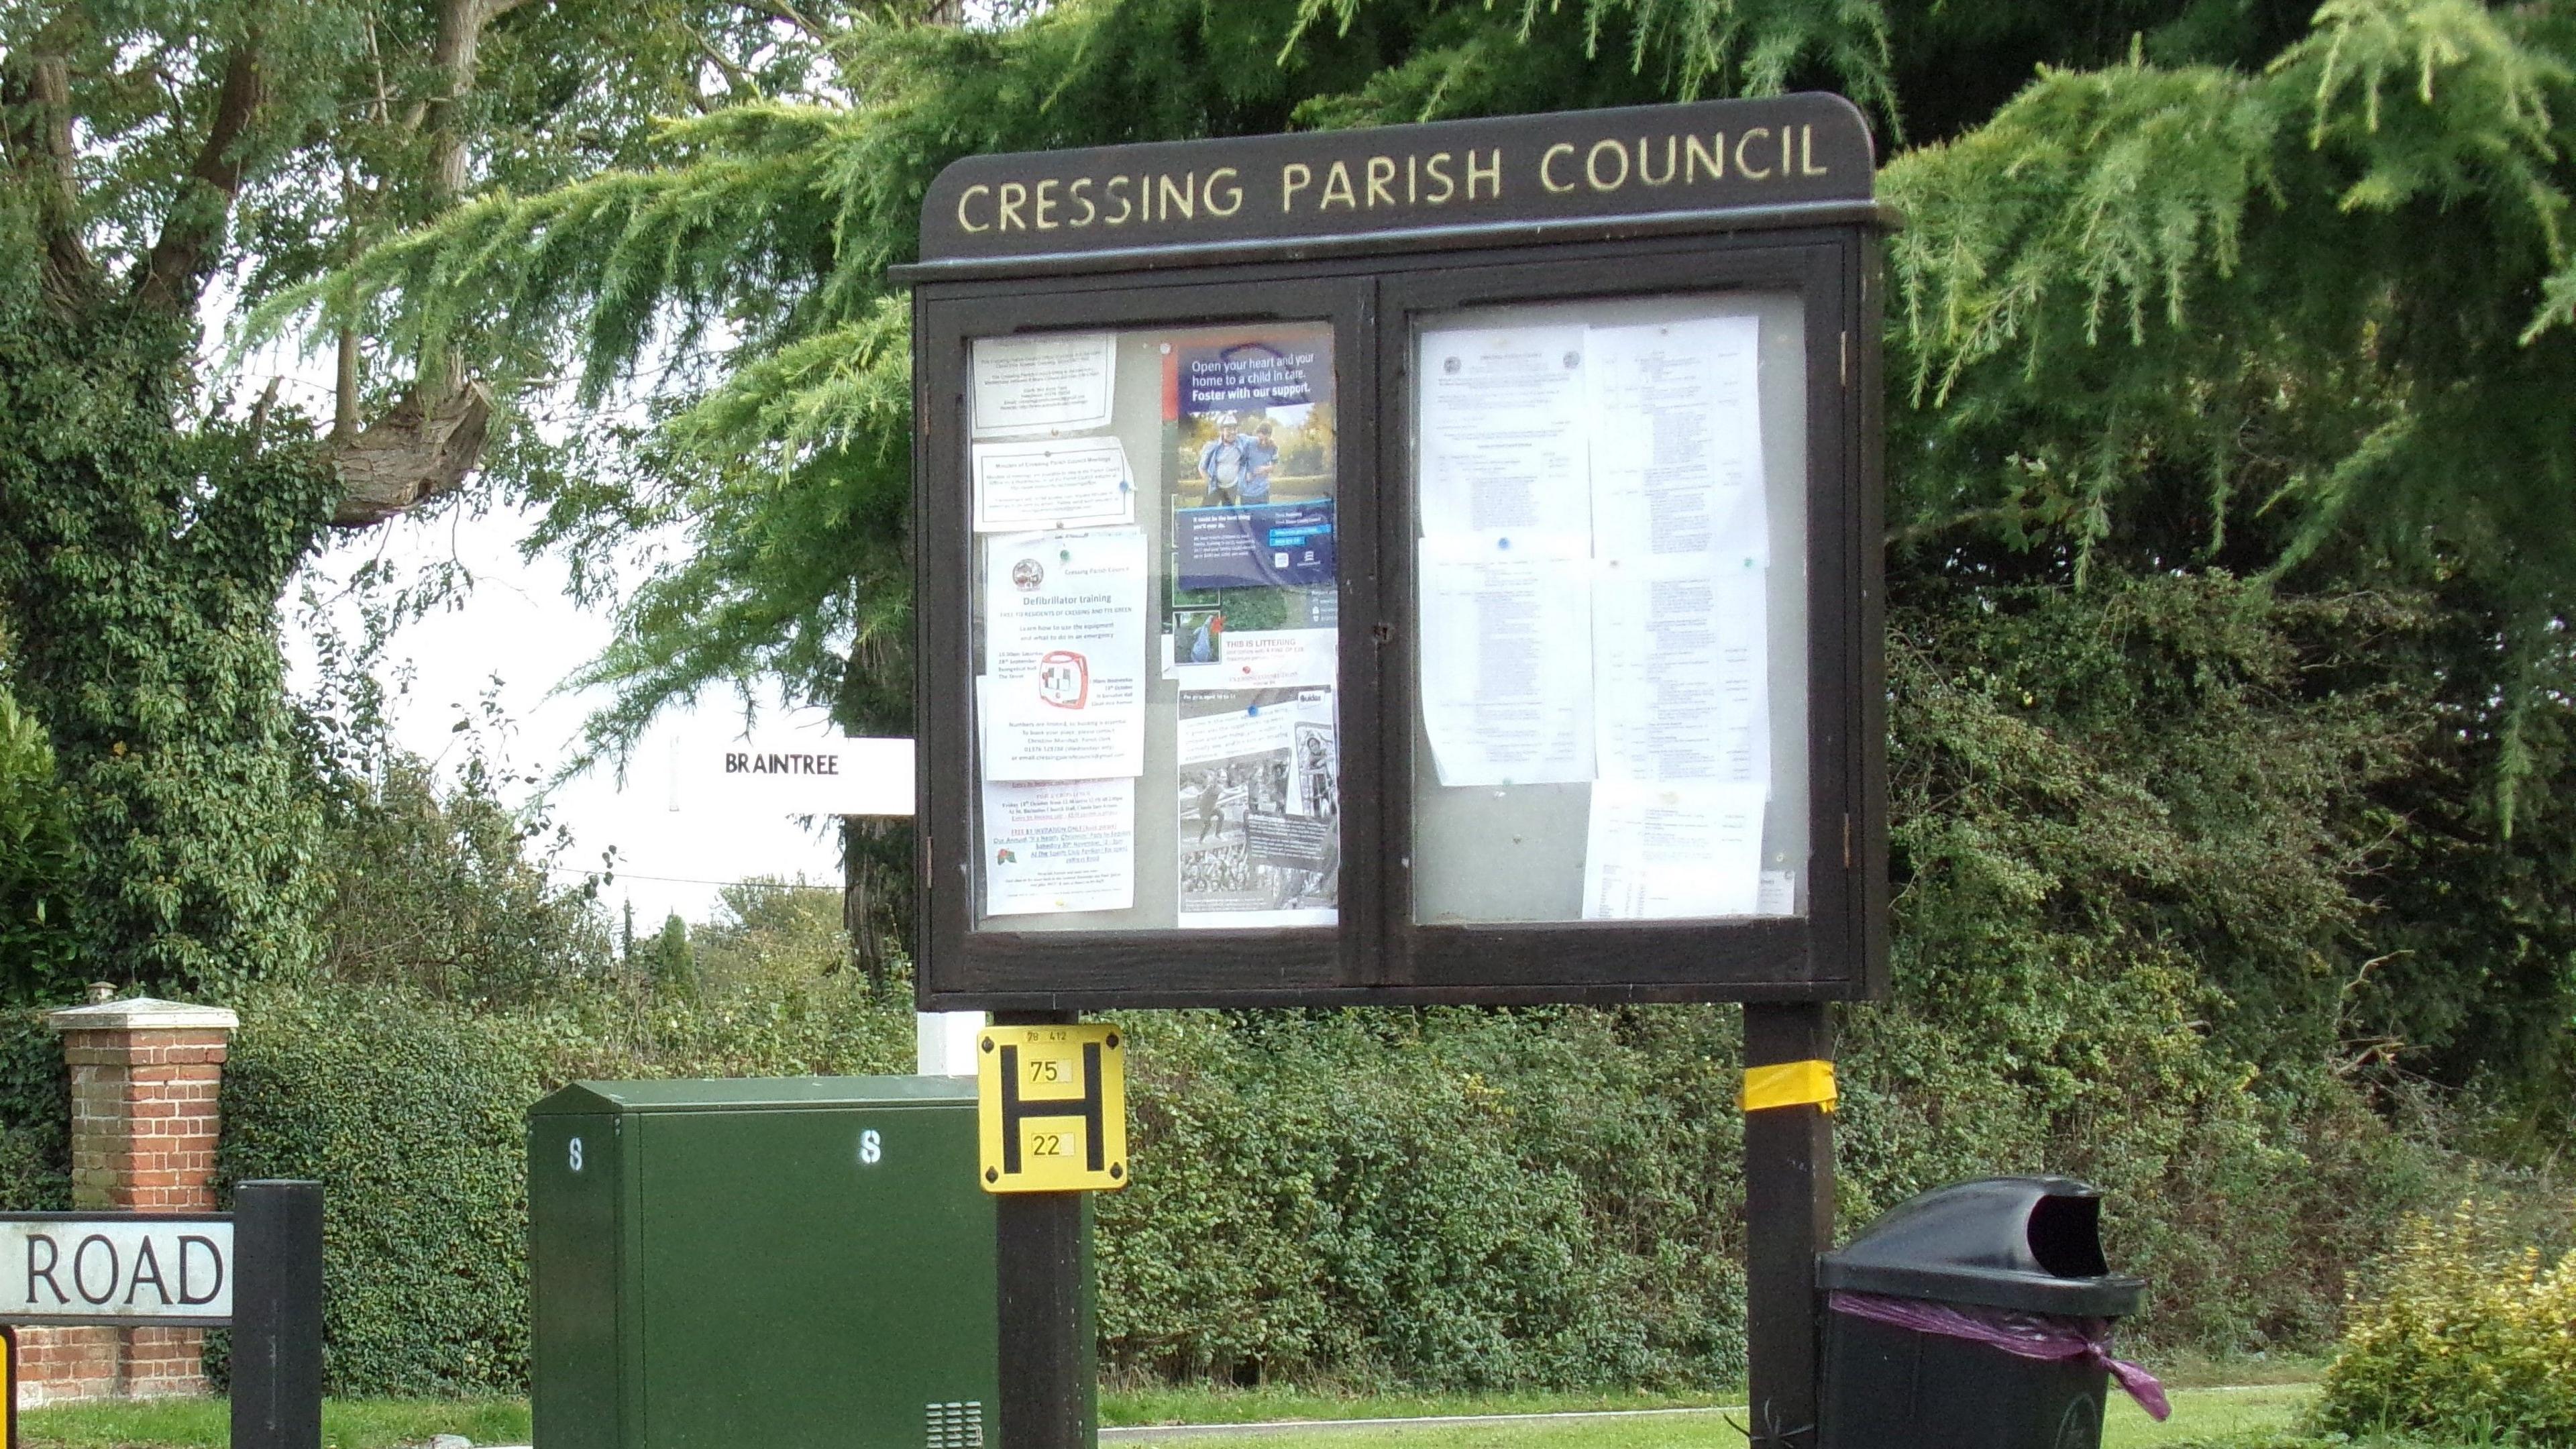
(517, 625)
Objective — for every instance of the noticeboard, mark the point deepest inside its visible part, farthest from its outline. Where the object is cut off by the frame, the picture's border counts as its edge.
(1436, 563)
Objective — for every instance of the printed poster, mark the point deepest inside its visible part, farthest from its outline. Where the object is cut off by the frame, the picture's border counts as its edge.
(1064, 637)
(1043, 383)
(1259, 803)
(1052, 483)
(1059, 845)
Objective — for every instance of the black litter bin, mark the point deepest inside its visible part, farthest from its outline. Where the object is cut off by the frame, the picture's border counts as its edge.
(1977, 1316)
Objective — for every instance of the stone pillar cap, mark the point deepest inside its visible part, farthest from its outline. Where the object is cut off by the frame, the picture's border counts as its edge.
(142, 1013)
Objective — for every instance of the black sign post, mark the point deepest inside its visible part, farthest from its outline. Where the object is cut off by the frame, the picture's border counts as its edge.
(1050, 1370)
(1427, 564)
(277, 1315)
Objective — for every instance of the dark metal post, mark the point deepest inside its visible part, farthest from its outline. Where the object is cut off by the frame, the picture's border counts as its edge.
(277, 1315)
(1050, 1375)
(9, 1345)
(1789, 1219)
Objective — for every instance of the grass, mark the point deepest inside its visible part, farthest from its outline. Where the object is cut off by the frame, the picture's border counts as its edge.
(2204, 1418)
(1163, 1404)
(2198, 1413)
(205, 1423)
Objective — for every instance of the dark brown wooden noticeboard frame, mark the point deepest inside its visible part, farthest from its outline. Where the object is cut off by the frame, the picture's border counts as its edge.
(1814, 235)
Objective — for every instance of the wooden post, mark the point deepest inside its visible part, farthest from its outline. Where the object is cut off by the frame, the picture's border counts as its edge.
(1789, 1219)
(1050, 1373)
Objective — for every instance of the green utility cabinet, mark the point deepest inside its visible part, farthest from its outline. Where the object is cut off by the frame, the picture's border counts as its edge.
(797, 1263)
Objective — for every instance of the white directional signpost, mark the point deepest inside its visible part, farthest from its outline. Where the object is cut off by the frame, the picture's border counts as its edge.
(798, 774)
(804, 774)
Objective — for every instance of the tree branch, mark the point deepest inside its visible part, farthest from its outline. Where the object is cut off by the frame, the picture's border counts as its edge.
(185, 252)
(410, 456)
(783, 10)
(41, 142)
(735, 76)
(460, 40)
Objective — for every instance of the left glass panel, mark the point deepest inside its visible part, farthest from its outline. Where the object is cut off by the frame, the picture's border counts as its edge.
(1155, 628)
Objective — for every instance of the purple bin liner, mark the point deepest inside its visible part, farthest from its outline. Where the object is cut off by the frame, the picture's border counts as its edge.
(2031, 1335)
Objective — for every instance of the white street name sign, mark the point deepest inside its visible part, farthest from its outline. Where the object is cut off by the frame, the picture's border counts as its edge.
(123, 1267)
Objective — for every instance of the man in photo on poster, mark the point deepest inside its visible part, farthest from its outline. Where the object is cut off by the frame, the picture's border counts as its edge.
(1223, 463)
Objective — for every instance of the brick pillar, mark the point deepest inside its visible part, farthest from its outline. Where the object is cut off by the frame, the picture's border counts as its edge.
(144, 1079)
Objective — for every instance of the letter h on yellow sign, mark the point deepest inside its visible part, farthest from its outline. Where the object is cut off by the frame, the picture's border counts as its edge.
(1051, 1108)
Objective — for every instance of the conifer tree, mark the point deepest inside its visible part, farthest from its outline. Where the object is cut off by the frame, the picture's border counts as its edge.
(2277, 291)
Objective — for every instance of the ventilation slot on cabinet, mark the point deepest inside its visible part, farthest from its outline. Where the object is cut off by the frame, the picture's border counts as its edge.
(953, 1425)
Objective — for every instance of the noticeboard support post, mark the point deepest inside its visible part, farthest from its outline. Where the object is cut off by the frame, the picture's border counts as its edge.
(1789, 1218)
(277, 1316)
(1048, 1354)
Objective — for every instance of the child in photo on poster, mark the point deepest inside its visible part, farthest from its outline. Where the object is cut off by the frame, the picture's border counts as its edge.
(1260, 457)
(1199, 636)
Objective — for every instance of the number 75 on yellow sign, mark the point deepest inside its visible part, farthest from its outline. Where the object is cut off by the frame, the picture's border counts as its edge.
(1051, 1108)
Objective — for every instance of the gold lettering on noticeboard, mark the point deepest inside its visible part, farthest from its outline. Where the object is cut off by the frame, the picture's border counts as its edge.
(1414, 181)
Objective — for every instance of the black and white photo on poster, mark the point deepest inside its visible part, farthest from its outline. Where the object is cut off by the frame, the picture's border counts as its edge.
(1259, 802)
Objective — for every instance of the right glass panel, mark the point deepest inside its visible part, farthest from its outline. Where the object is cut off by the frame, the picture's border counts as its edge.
(1610, 505)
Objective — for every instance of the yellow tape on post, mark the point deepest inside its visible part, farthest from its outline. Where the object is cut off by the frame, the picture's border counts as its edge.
(1789, 1084)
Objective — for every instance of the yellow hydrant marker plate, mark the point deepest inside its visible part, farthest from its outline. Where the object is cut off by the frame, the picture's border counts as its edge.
(1051, 1108)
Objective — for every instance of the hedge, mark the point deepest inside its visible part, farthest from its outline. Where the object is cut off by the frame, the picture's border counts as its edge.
(1394, 1198)
(1427, 1198)
(411, 1114)
(2469, 1337)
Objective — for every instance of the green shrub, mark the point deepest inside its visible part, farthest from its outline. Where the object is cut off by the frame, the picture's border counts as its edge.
(35, 1116)
(1446, 1197)
(36, 955)
(410, 1111)
(2467, 1338)
(438, 886)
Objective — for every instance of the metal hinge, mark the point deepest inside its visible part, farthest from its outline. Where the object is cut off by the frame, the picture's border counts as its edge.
(1846, 359)
(1847, 850)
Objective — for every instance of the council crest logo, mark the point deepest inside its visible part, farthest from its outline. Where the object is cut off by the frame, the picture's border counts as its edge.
(1027, 574)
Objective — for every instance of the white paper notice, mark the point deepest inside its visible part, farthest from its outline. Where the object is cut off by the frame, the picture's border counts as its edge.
(1502, 429)
(1665, 852)
(1059, 846)
(1778, 895)
(1506, 658)
(1677, 439)
(1064, 639)
(1259, 807)
(1052, 483)
(1263, 659)
(1049, 383)
(1679, 670)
